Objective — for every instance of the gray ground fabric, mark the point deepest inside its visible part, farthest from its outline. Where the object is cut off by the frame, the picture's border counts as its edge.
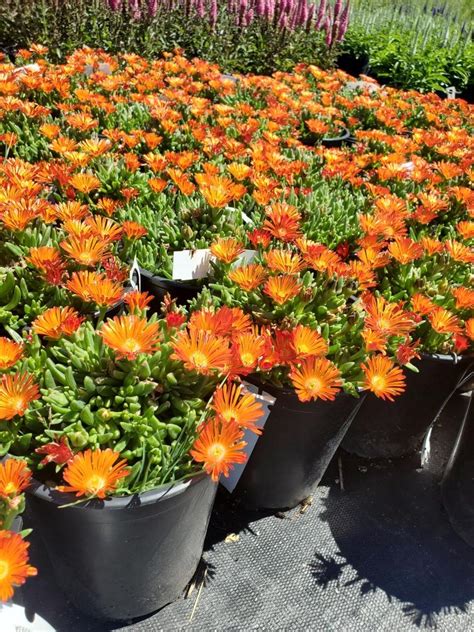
(378, 555)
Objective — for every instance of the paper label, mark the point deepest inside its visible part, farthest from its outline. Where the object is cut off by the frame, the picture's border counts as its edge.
(245, 217)
(451, 92)
(245, 258)
(250, 437)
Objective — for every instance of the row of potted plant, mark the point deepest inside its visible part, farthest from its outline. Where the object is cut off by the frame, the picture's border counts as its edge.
(293, 291)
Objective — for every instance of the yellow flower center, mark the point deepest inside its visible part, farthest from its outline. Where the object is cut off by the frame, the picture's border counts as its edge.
(313, 385)
(199, 359)
(17, 404)
(217, 452)
(131, 345)
(303, 347)
(86, 258)
(10, 488)
(96, 483)
(4, 570)
(378, 383)
(247, 358)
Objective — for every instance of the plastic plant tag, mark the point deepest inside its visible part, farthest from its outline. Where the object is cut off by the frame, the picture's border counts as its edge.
(105, 68)
(88, 70)
(451, 92)
(13, 619)
(191, 264)
(267, 400)
(247, 256)
(134, 276)
(245, 217)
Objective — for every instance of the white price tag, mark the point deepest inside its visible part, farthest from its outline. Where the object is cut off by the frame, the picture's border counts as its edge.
(192, 264)
(451, 92)
(13, 619)
(250, 437)
(245, 258)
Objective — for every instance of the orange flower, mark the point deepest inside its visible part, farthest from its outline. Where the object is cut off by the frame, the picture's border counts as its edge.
(10, 353)
(218, 446)
(282, 221)
(422, 304)
(405, 250)
(16, 393)
(466, 229)
(218, 191)
(134, 230)
(470, 328)
(93, 287)
(248, 277)
(14, 567)
(374, 340)
(322, 259)
(202, 352)
(464, 297)
(137, 301)
(44, 257)
(227, 249)
(308, 342)
(94, 473)
(316, 378)
(18, 215)
(249, 347)
(14, 478)
(104, 228)
(387, 319)
(71, 210)
(56, 322)
(431, 246)
(383, 378)
(444, 322)
(130, 335)
(459, 252)
(282, 288)
(87, 251)
(283, 261)
(84, 182)
(234, 405)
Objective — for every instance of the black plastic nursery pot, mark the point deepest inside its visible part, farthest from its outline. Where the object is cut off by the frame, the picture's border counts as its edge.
(128, 556)
(182, 291)
(298, 442)
(343, 138)
(457, 486)
(384, 429)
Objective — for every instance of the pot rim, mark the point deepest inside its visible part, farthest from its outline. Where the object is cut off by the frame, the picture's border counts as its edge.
(286, 390)
(447, 357)
(111, 503)
(157, 279)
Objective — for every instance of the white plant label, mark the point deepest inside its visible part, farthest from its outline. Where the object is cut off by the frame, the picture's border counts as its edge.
(13, 619)
(245, 217)
(191, 264)
(250, 437)
(245, 258)
(451, 92)
(134, 277)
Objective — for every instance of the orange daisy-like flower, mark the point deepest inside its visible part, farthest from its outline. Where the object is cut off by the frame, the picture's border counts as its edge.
(44, 257)
(387, 319)
(104, 228)
(374, 340)
(444, 322)
(459, 252)
(16, 393)
(218, 191)
(134, 230)
(405, 250)
(87, 251)
(93, 287)
(249, 347)
(10, 353)
(232, 404)
(14, 567)
(470, 328)
(94, 474)
(284, 261)
(316, 378)
(137, 301)
(464, 297)
(383, 378)
(57, 321)
(282, 221)
(308, 342)
(218, 446)
(14, 477)
(321, 258)
(249, 277)
(422, 304)
(131, 335)
(202, 352)
(227, 249)
(282, 288)
(84, 182)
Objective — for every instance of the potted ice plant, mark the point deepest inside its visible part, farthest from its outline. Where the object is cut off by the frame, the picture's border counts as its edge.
(120, 443)
(304, 343)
